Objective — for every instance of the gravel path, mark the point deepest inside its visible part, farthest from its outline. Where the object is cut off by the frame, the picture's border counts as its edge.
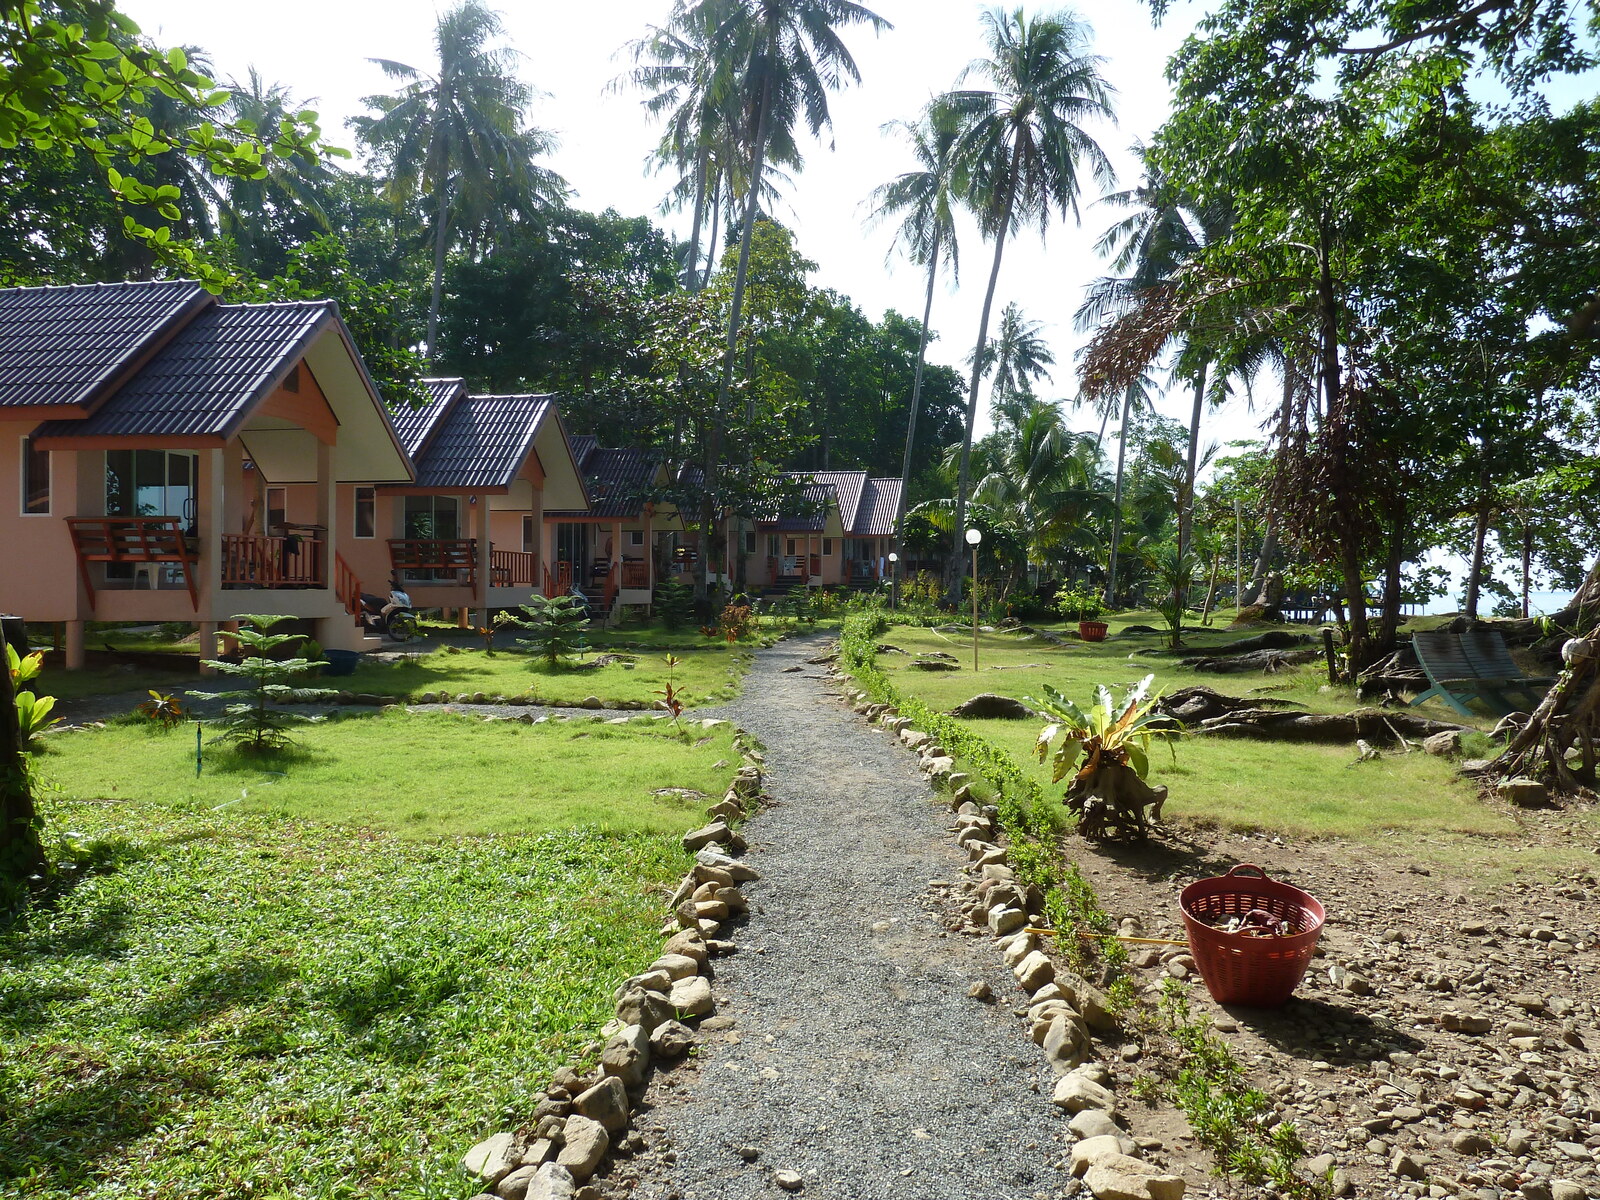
(853, 1054)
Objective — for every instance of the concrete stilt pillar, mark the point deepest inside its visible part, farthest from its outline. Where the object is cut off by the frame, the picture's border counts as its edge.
(208, 644)
(75, 657)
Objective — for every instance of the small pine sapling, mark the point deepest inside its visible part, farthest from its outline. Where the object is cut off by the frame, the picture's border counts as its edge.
(557, 626)
(251, 718)
(674, 604)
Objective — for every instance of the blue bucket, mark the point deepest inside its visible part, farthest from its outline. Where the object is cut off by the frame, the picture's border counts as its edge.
(341, 662)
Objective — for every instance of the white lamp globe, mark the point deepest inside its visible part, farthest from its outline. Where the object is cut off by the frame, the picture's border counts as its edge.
(974, 536)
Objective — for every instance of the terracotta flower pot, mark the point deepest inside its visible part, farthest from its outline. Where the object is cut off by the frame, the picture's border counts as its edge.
(1092, 631)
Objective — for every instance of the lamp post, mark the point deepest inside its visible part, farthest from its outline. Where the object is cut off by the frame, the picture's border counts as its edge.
(974, 536)
(894, 580)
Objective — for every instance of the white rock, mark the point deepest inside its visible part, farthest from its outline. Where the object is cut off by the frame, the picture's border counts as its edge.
(1075, 1092)
(493, 1158)
(553, 1182)
(691, 997)
(1131, 1179)
(1102, 1150)
(1034, 971)
(586, 1144)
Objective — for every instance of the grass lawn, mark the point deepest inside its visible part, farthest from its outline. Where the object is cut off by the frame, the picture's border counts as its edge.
(417, 774)
(1297, 790)
(705, 675)
(333, 987)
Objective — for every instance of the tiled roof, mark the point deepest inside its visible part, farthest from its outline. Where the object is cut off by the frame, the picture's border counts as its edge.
(208, 375)
(616, 479)
(875, 517)
(847, 486)
(414, 425)
(482, 442)
(64, 345)
(814, 501)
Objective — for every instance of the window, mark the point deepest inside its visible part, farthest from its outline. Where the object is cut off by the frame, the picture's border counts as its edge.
(747, 542)
(772, 545)
(366, 512)
(636, 537)
(794, 545)
(35, 479)
(528, 545)
(827, 547)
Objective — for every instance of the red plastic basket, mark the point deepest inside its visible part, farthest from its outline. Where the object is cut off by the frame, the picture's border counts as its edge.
(1259, 972)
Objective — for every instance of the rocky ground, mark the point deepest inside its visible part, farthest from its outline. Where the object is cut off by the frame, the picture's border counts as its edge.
(1446, 1040)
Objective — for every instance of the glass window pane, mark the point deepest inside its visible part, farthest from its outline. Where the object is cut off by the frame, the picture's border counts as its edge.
(366, 511)
(35, 478)
(119, 483)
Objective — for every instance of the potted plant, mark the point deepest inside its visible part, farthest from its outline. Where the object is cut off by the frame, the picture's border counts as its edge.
(1084, 605)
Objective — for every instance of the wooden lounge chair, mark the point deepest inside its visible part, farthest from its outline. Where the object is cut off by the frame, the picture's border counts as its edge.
(1477, 665)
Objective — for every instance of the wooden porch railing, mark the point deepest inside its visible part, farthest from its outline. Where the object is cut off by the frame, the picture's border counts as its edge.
(513, 568)
(273, 562)
(635, 574)
(456, 555)
(346, 586)
(132, 540)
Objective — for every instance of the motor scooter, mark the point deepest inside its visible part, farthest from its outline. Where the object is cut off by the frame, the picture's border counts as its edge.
(392, 616)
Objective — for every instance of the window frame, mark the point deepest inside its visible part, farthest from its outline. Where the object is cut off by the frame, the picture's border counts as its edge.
(25, 479)
(371, 491)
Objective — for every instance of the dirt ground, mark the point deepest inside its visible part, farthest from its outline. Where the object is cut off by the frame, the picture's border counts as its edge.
(1445, 1041)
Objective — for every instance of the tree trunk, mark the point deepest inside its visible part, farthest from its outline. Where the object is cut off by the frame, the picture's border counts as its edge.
(21, 853)
(1480, 537)
(441, 224)
(716, 228)
(1116, 503)
(736, 305)
(1527, 566)
(916, 402)
(1389, 628)
(1264, 556)
(1186, 512)
(691, 270)
(963, 478)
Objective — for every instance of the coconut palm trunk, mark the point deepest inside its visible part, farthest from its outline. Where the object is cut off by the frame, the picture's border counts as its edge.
(963, 478)
(916, 400)
(691, 270)
(441, 228)
(1116, 503)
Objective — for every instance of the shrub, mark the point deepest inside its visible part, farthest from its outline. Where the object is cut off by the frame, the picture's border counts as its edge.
(736, 623)
(674, 603)
(1079, 602)
(250, 720)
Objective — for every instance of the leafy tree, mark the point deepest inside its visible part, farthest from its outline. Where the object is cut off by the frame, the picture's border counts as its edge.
(458, 138)
(79, 82)
(1021, 143)
(251, 719)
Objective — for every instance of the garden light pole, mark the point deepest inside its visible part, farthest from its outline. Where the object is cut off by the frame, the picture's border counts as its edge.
(974, 536)
(894, 580)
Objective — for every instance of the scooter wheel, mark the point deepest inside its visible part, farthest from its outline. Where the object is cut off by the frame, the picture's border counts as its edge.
(402, 627)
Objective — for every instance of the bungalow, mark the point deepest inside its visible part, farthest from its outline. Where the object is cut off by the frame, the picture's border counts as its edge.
(616, 549)
(173, 458)
(841, 537)
(467, 531)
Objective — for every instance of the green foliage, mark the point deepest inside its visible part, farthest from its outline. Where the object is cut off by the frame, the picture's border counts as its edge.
(558, 627)
(251, 719)
(1112, 730)
(674, 603)
(1079, 602)
(33, 711)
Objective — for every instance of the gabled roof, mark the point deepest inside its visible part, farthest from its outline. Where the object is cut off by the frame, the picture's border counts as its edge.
(68, 346)
(847, 487)
(205, 380)
(875, 517)
(414, 426)
(481, 442)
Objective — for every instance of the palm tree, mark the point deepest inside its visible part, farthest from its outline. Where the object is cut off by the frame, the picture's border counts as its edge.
(927, 198)
(1135, 395)
(458, 136)
(1020, 147)
(1019, 357)
(784, 57)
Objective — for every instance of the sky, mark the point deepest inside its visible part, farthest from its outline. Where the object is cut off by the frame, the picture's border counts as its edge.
(321, 50)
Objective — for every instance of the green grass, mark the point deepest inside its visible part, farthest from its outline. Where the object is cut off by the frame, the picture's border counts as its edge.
(1294, 789)
(706, 676)
(332, 988)
(417, 774)
(104, 681)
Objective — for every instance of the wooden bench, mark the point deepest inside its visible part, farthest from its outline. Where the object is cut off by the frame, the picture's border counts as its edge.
(1477, 665)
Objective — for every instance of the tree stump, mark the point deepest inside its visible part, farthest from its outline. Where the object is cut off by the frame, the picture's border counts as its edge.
(1111, 802)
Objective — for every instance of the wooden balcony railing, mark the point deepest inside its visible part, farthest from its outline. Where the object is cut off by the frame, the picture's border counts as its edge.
(558, 582)
(249, 561)
(454, 559)
(513, 568)
(132, 540)
(635, 574)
